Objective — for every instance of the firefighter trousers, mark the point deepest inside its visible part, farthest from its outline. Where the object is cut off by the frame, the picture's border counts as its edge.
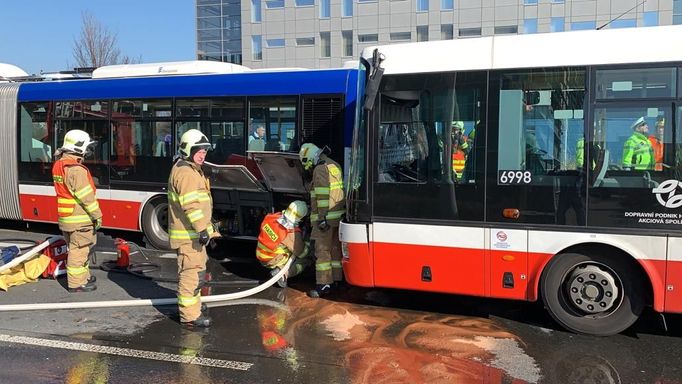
(80, 243)
(192, 260)
(328, 268)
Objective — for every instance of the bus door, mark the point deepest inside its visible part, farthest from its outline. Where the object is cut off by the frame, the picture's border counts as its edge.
(426, 209)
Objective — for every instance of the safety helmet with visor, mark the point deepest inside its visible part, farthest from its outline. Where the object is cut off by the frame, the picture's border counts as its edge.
(77, 142)
(294, 213)
(309, 155)
(192, 141)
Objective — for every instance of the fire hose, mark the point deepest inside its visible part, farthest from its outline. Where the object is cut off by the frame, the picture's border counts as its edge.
(128, 303)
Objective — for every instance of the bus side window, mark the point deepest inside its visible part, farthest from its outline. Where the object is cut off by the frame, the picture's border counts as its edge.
(403, 152)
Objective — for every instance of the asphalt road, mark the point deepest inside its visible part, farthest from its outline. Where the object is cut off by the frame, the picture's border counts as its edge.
(282, 336)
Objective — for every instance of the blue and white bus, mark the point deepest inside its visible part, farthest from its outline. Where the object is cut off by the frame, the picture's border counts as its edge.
(137, 117)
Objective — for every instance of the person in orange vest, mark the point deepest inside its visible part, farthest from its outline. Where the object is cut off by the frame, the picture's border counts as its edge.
(460, 148)
(657, 143)
(78, 212)
(280, 237)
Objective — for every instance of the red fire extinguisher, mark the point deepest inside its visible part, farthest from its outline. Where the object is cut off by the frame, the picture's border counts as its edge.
(123, 252)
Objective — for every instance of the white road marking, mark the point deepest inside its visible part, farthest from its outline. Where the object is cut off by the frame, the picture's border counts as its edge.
(127, 352)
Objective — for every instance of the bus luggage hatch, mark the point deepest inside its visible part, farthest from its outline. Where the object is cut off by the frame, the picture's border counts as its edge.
(282, 171)
(231, 177)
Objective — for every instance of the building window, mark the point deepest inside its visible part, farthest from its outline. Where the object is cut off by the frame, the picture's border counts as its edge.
(396, 36)
(324, 9)
(256, 16)
(325, 44)
(582, 25)
(677, 11)
(557, 1)
(506, 29)
(368, 38)
(346, 8)
(557, 24)
(422, 5)
(347, 42)
(275, 43)
(257, 47)
(422, 33)
(447, 5)
(305, 3)
(623, 23)
(650, 19)
(469, 32)
(530, 2)
(303, 41)
(530, 26)
(274, 4)
(446, 32)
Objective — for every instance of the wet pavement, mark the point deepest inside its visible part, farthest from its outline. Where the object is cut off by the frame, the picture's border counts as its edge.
(281, 336)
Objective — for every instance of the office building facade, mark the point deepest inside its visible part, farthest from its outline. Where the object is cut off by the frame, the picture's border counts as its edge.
(325, 33)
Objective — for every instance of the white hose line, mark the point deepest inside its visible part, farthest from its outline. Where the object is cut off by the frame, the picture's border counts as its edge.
(30, 254)
(146, 302)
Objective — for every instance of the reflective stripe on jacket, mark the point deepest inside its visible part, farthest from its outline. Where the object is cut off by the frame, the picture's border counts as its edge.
(189, 203)
(77, 205)
(327, 199)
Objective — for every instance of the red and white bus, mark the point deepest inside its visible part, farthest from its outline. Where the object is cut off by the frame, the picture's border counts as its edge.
(571, 188)
(137, 114)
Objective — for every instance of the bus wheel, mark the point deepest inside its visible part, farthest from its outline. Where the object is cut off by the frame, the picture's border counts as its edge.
(597, 295)
(155, 223)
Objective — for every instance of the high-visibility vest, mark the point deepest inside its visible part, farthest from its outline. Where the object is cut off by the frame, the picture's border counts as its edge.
(658, 152)
(458, 162)
(270, 239)
(638, 152)
(68, 210)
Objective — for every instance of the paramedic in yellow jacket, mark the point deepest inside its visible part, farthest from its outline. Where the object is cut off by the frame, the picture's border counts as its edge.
(78, 211)
(328, 205)
(189, 224)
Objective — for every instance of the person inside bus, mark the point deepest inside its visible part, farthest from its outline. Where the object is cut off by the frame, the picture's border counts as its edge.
(460, 149)
(656, 141)
(163, 140)
(257, 138)
(638, 153)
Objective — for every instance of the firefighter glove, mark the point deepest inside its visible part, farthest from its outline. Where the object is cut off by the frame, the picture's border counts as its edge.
(323, 226)
(203, 237)
(98, 223)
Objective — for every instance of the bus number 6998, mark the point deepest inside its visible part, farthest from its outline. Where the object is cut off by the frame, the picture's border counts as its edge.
(514, 177)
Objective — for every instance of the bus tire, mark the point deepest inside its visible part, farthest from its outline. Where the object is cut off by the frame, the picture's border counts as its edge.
(597, 294)
(155, 223)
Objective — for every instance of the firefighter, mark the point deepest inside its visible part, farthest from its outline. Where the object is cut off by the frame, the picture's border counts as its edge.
(78, 211)
(280, 237)
(328, 205)
(189, 224)
(460, 149)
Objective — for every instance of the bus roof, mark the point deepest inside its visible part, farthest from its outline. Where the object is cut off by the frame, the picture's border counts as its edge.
(169, 68)
(575, 48)
(252, 83)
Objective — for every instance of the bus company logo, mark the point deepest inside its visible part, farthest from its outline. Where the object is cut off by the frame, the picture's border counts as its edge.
(501, 236)
(667, 193)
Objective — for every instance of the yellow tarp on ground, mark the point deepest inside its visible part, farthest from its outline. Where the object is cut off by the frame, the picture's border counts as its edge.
(24, 273)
